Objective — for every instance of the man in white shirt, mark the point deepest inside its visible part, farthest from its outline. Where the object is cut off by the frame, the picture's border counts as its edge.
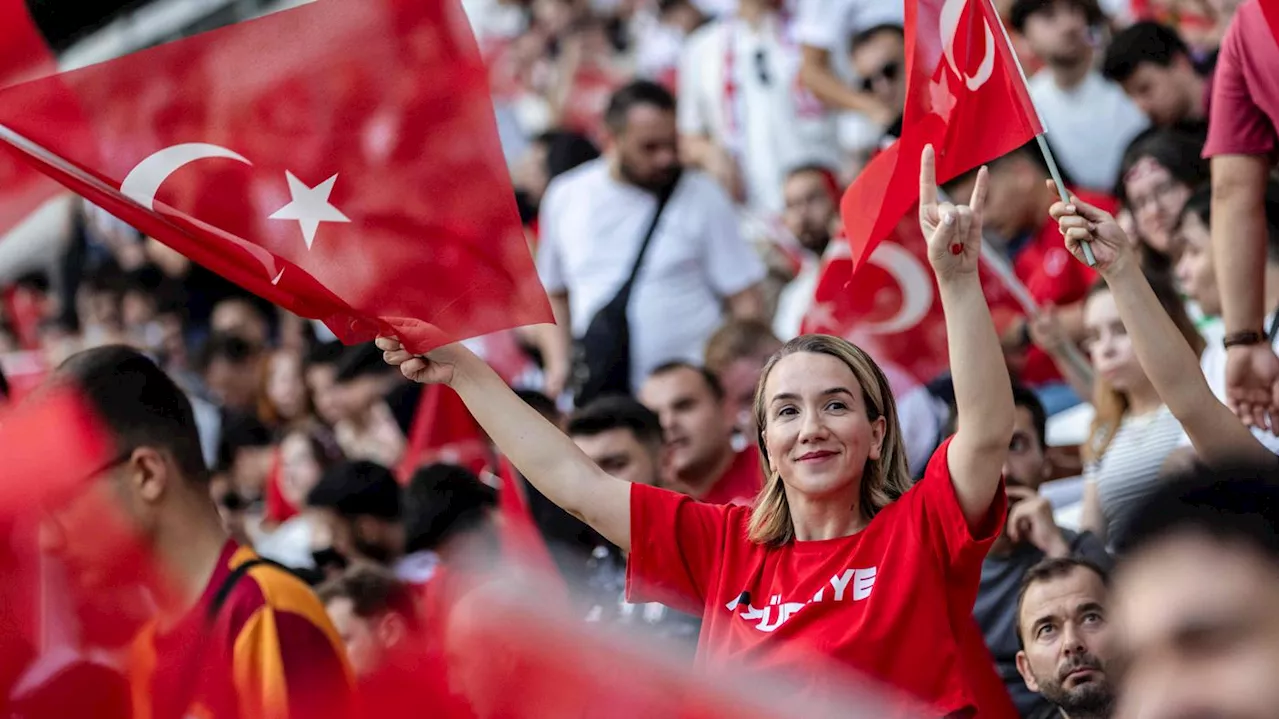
(592, 223)
(1089, 120)
(743, 115)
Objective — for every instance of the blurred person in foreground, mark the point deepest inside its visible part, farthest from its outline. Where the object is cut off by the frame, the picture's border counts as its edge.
(232, 637)
(1064, 630)
(841, 564)
(1031, 535)
(1195, 599)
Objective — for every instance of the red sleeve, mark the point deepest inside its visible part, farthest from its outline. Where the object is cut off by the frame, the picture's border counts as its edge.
(1237, 125)
(677, 545)
(960, 550)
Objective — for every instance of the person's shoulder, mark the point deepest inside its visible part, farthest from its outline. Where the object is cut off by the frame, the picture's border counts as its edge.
(579, 179)
(703, 36)
(698, 186)
(266, 585)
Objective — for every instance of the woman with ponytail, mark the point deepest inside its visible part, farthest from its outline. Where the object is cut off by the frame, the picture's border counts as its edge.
(841, 563)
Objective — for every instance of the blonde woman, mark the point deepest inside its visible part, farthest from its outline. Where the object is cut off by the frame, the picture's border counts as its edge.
(840, 562)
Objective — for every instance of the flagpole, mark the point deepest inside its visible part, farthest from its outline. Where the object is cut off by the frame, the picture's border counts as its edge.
(1063, 195)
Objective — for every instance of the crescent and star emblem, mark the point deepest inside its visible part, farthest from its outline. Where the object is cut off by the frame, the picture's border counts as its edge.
(948, 24)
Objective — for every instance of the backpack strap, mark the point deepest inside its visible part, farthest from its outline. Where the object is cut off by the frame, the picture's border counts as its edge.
(232, 579)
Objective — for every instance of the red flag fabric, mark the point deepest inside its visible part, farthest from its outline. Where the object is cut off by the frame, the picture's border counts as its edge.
(522, 542)
(965, 96)
(892, 309)
(23, 56)
(339, 158)
(48, 445)
(1271, 11)
(443, 430)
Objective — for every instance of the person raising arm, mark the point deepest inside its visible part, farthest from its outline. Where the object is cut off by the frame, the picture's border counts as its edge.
(1165, 356)
(841, 563)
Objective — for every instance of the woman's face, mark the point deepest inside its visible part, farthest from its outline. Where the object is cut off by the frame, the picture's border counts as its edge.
(300, 471)
(1195, 266)
(1156, 200)
(816, 431)
(285, 388)
(1108, 343)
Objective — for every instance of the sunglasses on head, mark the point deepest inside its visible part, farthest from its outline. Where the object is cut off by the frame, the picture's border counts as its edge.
(889, 73)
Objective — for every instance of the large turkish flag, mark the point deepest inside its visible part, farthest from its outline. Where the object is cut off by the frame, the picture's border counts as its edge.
(339, 158)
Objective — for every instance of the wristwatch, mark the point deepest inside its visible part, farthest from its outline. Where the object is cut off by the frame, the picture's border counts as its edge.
(1245, 337)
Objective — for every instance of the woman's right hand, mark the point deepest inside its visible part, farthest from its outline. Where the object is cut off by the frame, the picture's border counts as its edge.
(1081, 222)
(435, 367)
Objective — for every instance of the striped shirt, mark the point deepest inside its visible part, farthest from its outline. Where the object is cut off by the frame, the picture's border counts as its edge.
(268, 651)
(1130, 468)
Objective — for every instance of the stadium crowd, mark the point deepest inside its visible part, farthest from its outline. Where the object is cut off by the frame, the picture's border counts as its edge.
(1083, 505)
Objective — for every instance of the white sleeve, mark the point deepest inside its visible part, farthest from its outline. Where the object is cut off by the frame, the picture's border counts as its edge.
(818, 24)
(549, 260)
(732, 265)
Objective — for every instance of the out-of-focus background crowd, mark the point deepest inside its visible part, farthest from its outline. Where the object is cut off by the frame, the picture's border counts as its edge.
(324, 457)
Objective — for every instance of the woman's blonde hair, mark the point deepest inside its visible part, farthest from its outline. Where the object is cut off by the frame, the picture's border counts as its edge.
(1110, 405)
(883, 480)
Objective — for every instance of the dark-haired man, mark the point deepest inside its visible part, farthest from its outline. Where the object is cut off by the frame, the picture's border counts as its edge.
(1074, 99)
(357, 506)
(624, 438)
(233, 637)
(1064, 630)
(878, 57)
(228, 365)
(593, 221)
(698, 425)
(1195, 598)
(1031, 535)
(374, 613)
(1153, 65)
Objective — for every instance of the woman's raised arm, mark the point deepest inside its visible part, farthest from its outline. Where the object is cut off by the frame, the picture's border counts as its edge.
(542, 453)
(984, 395)
(1166, 358)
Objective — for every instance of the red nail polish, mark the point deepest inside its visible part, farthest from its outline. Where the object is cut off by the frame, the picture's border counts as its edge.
(957, 248)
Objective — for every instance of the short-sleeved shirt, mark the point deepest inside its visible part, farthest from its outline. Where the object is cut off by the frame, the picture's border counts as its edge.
(592, 226)
(269, 651)
(1243, 114)
(741, 481)
(893, 601)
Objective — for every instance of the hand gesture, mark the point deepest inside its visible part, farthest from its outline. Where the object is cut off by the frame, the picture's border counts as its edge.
(1081, 222)
(1031, 521)
(1252, 374)
(436, 367)
(954, 232)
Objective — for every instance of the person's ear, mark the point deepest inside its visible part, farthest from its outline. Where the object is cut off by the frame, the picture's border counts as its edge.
(391, 630)
(150, 472)
(1024, 668)
(878, 429)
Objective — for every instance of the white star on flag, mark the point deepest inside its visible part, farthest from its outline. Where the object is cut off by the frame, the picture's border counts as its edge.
(310, 206)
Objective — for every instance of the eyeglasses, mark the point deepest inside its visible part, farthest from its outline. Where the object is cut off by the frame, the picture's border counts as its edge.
(888, 73)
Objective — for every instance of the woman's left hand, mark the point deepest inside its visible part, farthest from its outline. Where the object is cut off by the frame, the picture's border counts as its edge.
(954, 232)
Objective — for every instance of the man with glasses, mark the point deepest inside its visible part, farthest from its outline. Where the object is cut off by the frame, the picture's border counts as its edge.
(233, 636)
(878, 56)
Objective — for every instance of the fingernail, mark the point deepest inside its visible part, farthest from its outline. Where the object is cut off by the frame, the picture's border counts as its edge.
(948, 219)
(1071, 208)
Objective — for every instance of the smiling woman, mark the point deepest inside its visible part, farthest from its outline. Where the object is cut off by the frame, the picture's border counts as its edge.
(840, 565)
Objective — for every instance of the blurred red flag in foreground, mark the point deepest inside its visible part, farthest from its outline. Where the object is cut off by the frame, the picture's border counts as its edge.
(339, 158)
(965, 96)
(48, 445)
(23, 56)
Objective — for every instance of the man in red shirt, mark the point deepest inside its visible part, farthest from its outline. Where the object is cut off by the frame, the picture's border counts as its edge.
(698, 430)
(1017, 216)
(1242, 155)
(234, 637)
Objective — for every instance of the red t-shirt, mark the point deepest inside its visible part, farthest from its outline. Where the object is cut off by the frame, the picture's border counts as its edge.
(1243, 115)
(893, 601)
(740, 483)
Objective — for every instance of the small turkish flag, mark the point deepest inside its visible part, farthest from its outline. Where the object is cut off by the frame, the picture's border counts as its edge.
(965, 96)
(339, 158)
